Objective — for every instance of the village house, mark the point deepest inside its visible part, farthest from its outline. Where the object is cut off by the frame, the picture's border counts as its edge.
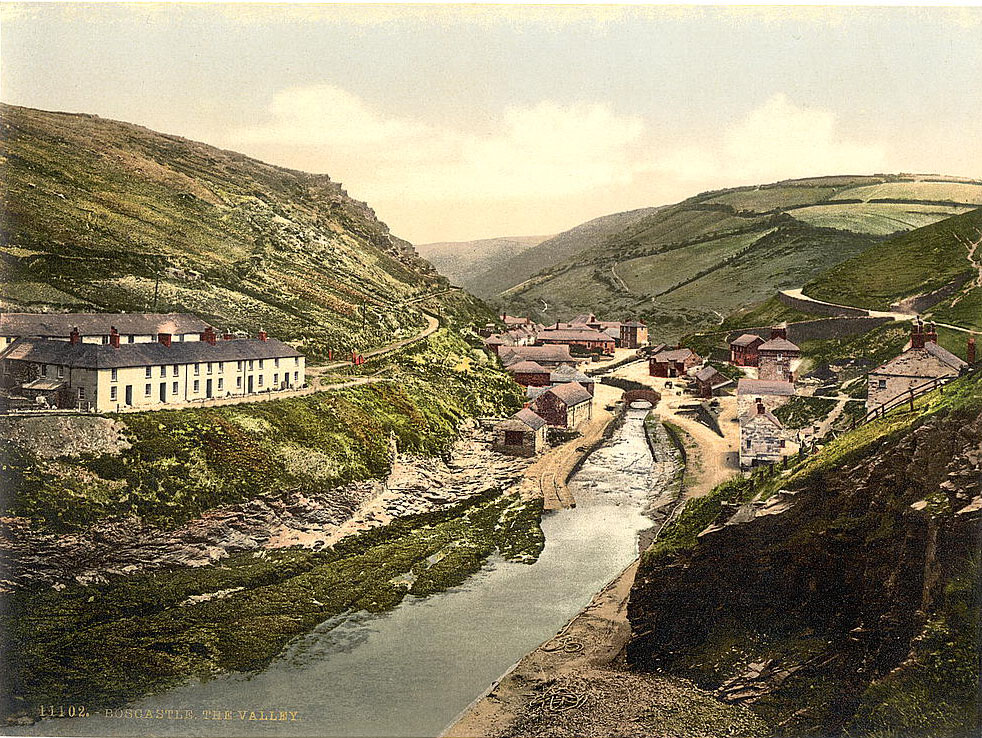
(118, 375)
(530, 374)
(922, 361)
(708, 380)
(772, 394)
(587, 338)
(564, 374)
(776, 358)
(674, 362)
(97, 327)
(548, 356)
(763, 438)
(564, 406)
(743, 349)
(633, 335)
(523, 434)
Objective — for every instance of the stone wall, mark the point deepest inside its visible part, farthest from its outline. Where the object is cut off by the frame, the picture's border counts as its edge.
(820, 329)
(807, 306)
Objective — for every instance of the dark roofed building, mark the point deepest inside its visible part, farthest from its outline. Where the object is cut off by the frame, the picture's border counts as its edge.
(708, 380)
(548, 356)
(588, 338)
(743, 349)
(523, 434)
(674, 362)
(565, 405)
(775, 356)
(565, 374)
(529, 373)
(97, 327)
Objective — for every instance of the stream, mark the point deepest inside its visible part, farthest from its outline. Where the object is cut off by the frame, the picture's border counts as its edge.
(411, 671)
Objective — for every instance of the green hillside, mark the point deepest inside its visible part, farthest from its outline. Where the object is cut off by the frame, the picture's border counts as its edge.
(464, 262)
(103, 215)
(685, 266)
(935, 257)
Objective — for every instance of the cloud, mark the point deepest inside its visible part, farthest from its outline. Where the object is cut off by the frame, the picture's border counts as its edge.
(541, 167)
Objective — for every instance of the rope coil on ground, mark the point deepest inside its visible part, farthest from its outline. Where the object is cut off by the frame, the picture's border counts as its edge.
(558, 699)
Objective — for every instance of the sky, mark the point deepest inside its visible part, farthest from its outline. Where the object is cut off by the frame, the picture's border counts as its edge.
(465, 122)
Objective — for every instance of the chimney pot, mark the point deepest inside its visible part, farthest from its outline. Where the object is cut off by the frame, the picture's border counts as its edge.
(75, 336)
(262, 335)
(917, 335)
(164, 338)
(970, 353)
(113, 337)
(208, 335)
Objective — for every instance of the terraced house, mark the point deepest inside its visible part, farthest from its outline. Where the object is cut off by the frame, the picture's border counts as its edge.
(70, 372)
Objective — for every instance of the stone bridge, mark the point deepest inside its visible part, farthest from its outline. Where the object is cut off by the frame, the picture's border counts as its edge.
(649, 395)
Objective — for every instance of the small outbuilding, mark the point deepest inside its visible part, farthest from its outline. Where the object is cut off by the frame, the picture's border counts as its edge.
(523, 434)
(565, 405)
(674, 362)
(708, 380)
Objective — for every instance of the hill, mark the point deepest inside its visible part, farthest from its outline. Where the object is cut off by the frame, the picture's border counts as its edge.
(936, 269)
(684, 266)
(463, 262)
(103, 215)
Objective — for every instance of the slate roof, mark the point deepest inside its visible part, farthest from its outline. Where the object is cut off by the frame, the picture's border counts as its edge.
(765, 387)
(567, 373)
(105, 356)
(552, 354)
(524, 419)
(944, 355)
(777, 344)
(98, 324)
(527, 367)
(634, 324)
(710, 374)
(572, 393)
(746, 339)
(574, 334)
(680, 354)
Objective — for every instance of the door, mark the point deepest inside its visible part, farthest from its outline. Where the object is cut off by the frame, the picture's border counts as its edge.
(129, 394)
(208, 388)
(250, 384)
(163, 391)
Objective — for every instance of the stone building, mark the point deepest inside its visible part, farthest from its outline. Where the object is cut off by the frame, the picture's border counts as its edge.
(530, 374)
(675, 362)
(564, 406)
(548, 356)
(523, 434)
(99, 328)
(778, 357)
(743, 349)
(772, 394)
(118, 375)
(633, 335)
(922, 361)
(763, 438)
(564, 374)
(587, 338)
(708, 380)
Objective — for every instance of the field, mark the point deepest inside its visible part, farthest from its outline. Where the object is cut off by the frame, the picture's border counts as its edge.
(878, 219)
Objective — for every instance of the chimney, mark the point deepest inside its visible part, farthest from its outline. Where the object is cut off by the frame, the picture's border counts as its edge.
(779, 331)
(970, 353)
(262, 335)
(208, 335)
(75, 336)
(917, 335)
(228, 336)
(760, 407)
(113, 337)
(932, 333)
(164, 338)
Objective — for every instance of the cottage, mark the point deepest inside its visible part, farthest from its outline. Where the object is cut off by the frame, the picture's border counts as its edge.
(772, 394)
(776, 358)
(708, 380)
(676, 362)
(529, 374)
(565, 374)
(743, 349)
(763, 438)
(548, 356)
(115, 376)
(587, 338)
(99, 327)
(633, 335)
(565, 405)
(922, 361)
(523, 434)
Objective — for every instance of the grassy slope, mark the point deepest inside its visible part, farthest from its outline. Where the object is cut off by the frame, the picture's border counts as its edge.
(94, 211)
(463, 262)
(683, 265)
(914, 263)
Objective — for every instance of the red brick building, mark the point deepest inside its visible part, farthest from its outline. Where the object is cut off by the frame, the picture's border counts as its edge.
(673, 362)
(743, 350)
(530, 374)
(587, 338)
(565, 405)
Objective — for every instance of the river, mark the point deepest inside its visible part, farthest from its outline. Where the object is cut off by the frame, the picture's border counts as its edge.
(411, 671)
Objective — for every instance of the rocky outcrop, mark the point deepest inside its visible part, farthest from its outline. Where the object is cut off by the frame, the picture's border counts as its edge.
(799, 603)
(54, 436)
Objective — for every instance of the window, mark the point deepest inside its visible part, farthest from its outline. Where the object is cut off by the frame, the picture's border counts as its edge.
(276, 363)
(105, 340)
(113, 375)
(221, 384)
(81, 393)
(881, 384)
(113, 393)
(250, 364)
(296, 376)
(260, 363)
(748, 443)
(276, 379)
(149, 371)
(221, 367)
(261, 380)
(238, 382)
(296, 361)
(209, 367)
(130, 339)
(147, 390)
(174, 389)
(514, 438)
(61, 372)
(174, 370)
(197, 385)
(238, 366)
(44, 370)
(197, 369)
(163, 372)
(782, 444)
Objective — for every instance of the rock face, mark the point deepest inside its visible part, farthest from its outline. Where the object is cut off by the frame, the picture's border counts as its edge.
(804, 603)
(50, 437)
